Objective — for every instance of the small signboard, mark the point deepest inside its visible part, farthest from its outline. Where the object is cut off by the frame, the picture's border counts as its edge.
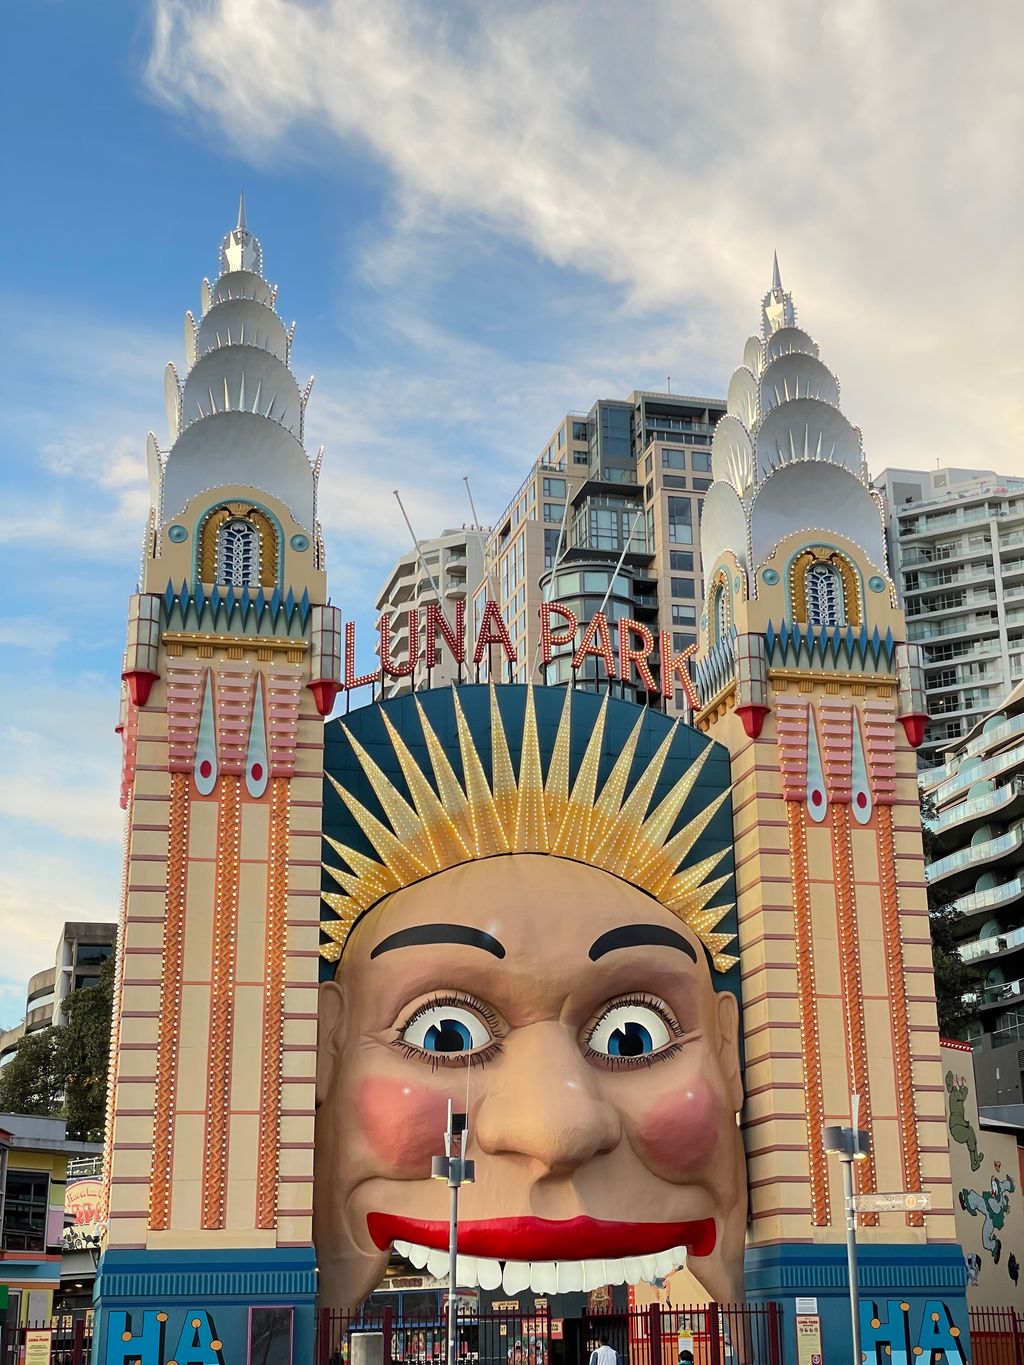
(38, 1345)
(902, 1201)
(557, 1329)
(808, 1339)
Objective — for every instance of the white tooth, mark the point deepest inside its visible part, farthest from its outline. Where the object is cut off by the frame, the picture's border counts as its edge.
(615, 1272)
(418, 1255)
(437, 1264)
(467, 1272)
(570, 1277)
(543, 1277)
(631, 1269)
(680, 1254)
(594, 1275)
(402, 1248)
(664, 1263)
(488, 1272)
(648, 1268)
(516, 1276)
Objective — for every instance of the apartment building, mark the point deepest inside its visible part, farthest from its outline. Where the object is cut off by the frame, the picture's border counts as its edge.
(441, 571)
(979, 865)
(957, 548)
(608, 515)
(81, 950)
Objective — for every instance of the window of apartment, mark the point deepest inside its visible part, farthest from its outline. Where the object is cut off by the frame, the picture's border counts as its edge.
(553, 511)
(580, 457)
(945, 677)
(681, 642)
(683, 616)
(673, 459)
(702, 485)
(650, 530)
(550, 548)
(682, 587)
(25, 1211)
(649, 491)
(681, 560)
(561, 437)
(680, 521)
(554, 488)
(682, 701)
(672, 481)
(649, 465)
(579, 431)
(696, 455)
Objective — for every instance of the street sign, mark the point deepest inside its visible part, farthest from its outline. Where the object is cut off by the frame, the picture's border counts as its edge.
(902, 1201)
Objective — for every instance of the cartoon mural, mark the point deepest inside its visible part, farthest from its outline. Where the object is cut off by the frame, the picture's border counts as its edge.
(528, 924)
(989, 1217)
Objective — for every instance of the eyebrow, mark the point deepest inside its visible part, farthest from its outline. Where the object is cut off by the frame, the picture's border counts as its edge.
(640, 936)
(420, 934)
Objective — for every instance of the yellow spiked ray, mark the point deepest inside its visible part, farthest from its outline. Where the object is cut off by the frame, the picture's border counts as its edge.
(522, 812)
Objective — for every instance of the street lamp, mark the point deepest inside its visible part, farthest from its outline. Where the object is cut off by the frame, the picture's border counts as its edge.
(850, 1145)
(454, 1168)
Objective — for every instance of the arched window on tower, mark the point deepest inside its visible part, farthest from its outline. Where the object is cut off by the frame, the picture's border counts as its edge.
(719, 614)
(825, 605)
(238, 553)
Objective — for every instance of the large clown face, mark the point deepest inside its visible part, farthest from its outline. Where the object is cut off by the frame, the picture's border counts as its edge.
(575, 1018)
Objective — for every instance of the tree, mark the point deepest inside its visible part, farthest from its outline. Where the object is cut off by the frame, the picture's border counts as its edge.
(61, 1071)
(30, 1083)
(953, 978)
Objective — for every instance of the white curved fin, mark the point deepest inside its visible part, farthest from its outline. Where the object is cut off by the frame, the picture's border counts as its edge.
(257, 766)
(817, 792)
(860, 788)
(205, 769)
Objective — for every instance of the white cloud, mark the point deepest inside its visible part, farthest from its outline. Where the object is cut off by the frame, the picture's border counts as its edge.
(668, 148)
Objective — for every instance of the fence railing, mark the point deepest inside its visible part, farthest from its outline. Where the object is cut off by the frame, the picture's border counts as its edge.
(72, 1341)
(655, 1335)
(997, 1336)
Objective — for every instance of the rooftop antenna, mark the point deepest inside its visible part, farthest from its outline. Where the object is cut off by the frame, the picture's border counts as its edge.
(416, 547)
(472, 505)
(668, 381)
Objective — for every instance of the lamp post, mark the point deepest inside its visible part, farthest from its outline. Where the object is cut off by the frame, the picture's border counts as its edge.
(454, 1168)
(850, 1145)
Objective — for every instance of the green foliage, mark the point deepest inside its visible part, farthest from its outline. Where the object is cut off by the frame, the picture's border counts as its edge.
(62, 1071)
(30, 1083)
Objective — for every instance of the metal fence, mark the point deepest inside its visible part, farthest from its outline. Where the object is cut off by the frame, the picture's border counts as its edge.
(655, 1335)
(997, 1336)
(72, 1341)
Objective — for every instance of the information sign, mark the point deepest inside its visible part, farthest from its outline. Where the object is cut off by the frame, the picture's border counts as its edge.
(902, 1201)
(38, 1345)
(808, 1339)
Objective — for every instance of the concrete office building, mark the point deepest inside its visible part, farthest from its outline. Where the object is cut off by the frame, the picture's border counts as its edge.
(979, 833)
(82, 948)
(442, 571)
(957, 549)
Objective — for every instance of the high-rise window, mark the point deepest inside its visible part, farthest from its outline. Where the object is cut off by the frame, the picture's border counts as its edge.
(238, 553)
(680, 521)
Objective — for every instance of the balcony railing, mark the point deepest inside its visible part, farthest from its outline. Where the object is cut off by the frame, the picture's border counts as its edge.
(985, 805)
(975, 854)
(985, 900)
(999, 734)
(986, 947)
(1001, 991)
(992, 767)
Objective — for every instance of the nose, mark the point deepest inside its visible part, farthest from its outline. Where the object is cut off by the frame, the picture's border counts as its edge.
(545, 1103)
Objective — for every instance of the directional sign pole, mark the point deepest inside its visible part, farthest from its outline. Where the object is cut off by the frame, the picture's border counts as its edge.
(850, 1145)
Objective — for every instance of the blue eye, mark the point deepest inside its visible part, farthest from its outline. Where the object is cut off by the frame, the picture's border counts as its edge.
(446, 1028)
(629, 1030)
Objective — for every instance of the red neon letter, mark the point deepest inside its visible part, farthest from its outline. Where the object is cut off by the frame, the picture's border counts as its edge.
(350, 661)
(550, 639)
(493, 631)
(453, 636)
(598, 627)
(628, 655)
(394, 670)
(674, 667)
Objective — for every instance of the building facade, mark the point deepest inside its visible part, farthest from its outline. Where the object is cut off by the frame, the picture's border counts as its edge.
(437, 577)
(82, 948)
(978, 832)
(957, 536)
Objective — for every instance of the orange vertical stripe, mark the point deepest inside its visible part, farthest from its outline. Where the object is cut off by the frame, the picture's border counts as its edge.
(170, 1003)
(820, 1212)
(905, 1109)
(852, 990)
(273, 1006)
(222, 1004)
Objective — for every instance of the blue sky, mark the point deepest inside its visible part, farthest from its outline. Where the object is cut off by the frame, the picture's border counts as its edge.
(481, 216)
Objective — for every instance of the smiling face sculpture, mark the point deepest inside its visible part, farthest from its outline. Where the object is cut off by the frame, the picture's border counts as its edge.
(554, 977)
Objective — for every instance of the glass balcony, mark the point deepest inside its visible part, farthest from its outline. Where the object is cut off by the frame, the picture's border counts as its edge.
(985, 900)
(975, 856)
(986, 947)
(977, 808)
(999, 734)
(992, 767)
(1001, 992)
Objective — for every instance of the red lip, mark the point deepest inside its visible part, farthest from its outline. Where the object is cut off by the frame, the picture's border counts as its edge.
(540, 1239)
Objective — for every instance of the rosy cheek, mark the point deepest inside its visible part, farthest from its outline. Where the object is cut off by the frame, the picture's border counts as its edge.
(679, 1133)
(403, 1123)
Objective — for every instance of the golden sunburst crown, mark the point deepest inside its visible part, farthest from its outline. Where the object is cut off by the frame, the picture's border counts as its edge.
(526, 812)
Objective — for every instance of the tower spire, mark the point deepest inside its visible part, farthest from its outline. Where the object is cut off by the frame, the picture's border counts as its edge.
(240, 226)
(776, 277)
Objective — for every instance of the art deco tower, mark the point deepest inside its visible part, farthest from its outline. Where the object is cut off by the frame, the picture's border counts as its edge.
(804, 674)
(232, 660)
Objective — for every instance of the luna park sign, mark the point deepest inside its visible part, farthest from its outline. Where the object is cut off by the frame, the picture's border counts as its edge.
(560, 630)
